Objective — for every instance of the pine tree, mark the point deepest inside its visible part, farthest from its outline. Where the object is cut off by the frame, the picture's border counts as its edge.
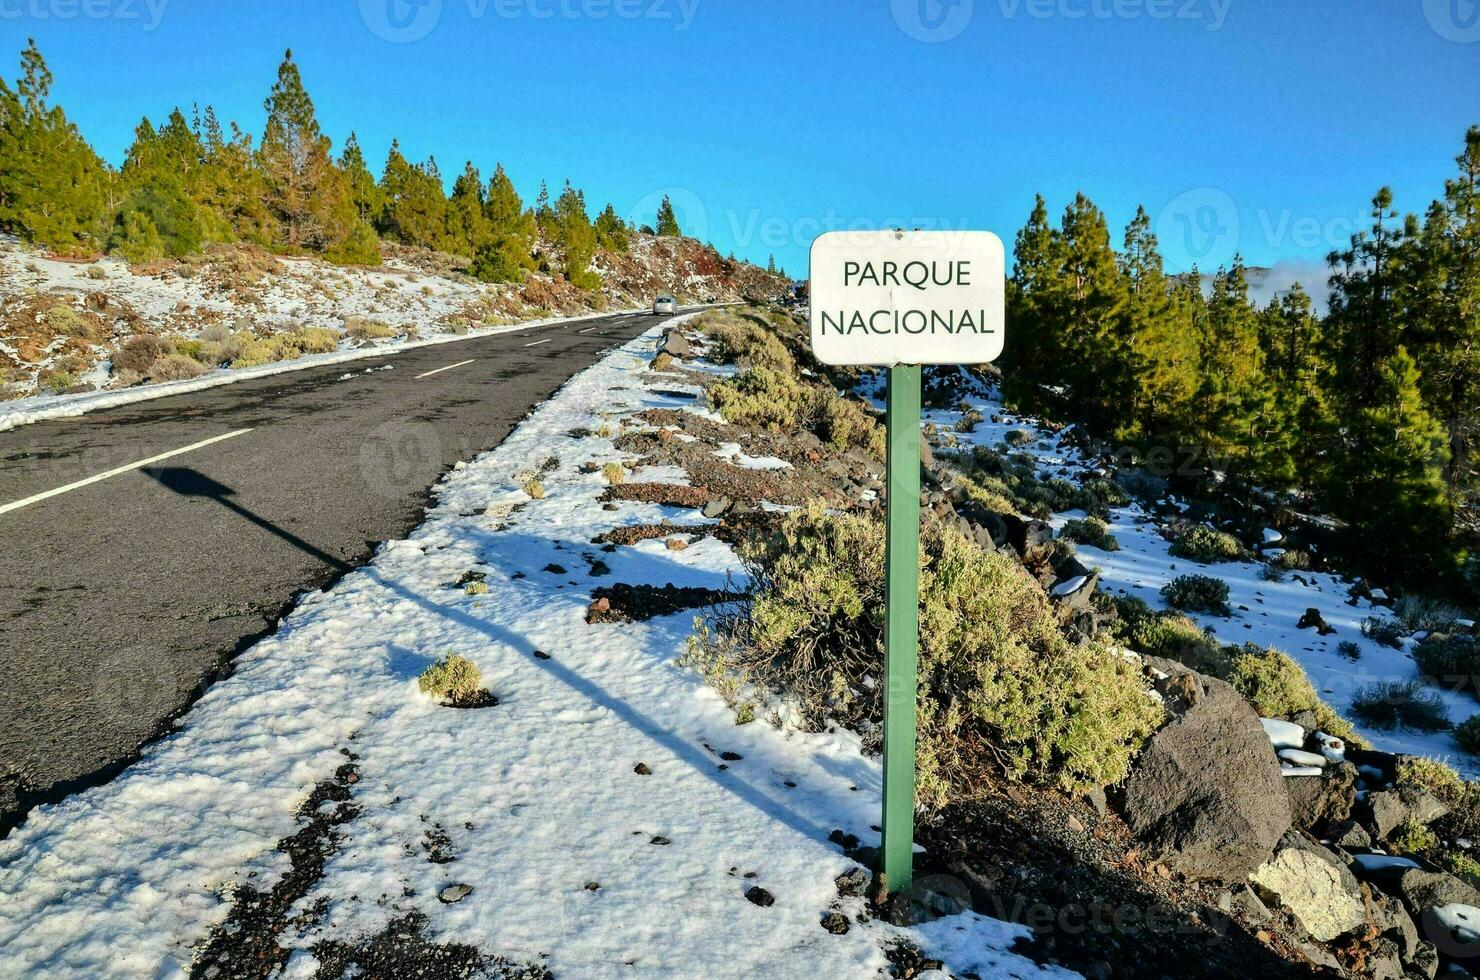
(1090, 310)
(468, 230)
(1440, 297)
(53, 188)
(667, 219)
(159, 215)
(1158, 348)
(1234, 405)
(415, 208)
(364, 193)
(612, 233)
(576, 237)
(305, 191)
(1289, 338)
(1033, 334)
(771, 264)
(1396, 483)
(544, 214)
(512, 233)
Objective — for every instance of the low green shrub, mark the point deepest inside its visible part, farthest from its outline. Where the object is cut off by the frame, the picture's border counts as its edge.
(1202, 544)
(614, 473)
(453, 678)
(1091, 531)
(999, 683)
(1349, 649)
(316, 340)
(1278, 687)
(1381, 629)
(775, 400)
(364, 328)
(1293, 560)
(1451, 660)
(1400, 704)
(1421, 613)
(1413, 839)
(1018, 437)
(1097, 496)
(176, 367)
(737, 338)
(1197, 593)
(969, 420)
(1467, 735)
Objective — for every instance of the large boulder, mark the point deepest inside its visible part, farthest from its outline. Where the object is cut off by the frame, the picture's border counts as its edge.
(676, 345)
(1392, 808)
(1205, 796)
(1313, 885)
(1319, 801)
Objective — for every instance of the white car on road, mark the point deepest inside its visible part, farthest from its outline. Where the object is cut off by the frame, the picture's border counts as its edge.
(664, 304)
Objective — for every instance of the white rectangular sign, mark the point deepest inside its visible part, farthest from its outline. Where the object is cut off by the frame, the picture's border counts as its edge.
(907, 297)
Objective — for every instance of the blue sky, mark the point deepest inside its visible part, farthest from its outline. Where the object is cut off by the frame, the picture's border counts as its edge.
(1258, 125)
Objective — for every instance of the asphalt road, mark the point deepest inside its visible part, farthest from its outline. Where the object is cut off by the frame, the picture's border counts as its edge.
(122, 599)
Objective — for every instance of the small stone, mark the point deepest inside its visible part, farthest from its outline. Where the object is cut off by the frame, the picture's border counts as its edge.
(660, 841)
(731, 756)
(642, 769)
(757, 895)
(541, 655)
(851, 883)
(676, 544)
(835, 923)
(453, 894)
(555, 569)
(592, 886)
(1074, 824)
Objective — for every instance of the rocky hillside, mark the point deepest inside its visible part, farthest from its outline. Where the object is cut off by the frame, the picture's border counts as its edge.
(69, 327)
(1251, 831)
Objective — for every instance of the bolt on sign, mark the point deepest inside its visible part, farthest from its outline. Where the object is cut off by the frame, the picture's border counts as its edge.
(900, 299)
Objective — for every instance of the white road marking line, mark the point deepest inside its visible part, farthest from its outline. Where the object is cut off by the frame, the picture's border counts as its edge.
(588, 330)
(428, 374)
(37, 498)
(538, 342)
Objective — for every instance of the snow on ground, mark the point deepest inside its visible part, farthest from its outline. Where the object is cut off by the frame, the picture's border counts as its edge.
(1264, 612)
(538, 795)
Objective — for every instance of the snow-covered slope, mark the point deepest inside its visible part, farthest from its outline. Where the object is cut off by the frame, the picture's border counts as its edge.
(1263, 612)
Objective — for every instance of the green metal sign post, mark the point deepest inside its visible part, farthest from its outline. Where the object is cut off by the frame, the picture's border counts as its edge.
(902, 624)
(901, 299)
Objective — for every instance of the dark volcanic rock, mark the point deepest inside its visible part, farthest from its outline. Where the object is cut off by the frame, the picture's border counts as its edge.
(1319, 801)
(1205, 795)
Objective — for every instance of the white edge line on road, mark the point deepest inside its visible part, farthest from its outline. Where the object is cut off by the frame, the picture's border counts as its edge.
(428, 374)
(587, 330)
(37, 498)
(538, 342)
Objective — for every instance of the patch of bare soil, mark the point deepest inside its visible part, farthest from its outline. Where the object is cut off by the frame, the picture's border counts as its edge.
(659, 493)
(246, 944)
(622, 603)
(401, 951)
(648, 532)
